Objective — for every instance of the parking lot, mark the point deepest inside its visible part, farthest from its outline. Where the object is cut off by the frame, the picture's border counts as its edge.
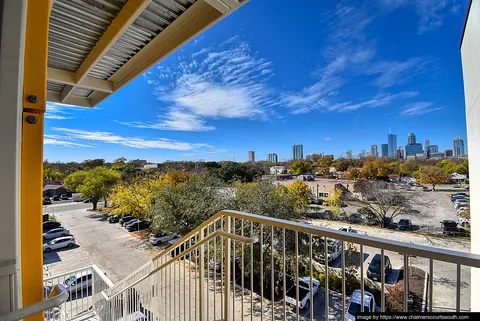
(109, 246)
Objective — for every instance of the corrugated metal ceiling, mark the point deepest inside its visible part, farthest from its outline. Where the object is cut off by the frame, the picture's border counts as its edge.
(153, 20)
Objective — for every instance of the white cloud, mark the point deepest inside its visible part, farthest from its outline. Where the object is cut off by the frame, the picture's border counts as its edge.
(224, 82)
(419, 108)
(328, 138)
(68, 134)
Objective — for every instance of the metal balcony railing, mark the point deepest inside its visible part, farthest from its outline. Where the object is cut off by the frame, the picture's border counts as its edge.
(84, 287)
(239, 266)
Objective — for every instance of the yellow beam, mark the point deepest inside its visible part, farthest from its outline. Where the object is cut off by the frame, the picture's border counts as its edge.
(34, 104)
(68, 78)
(130, 11)
(192, 22)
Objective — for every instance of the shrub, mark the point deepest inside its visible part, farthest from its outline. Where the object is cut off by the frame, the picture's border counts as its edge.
(394, 298)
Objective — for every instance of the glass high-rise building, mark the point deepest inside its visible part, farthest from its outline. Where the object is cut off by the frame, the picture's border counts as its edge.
(448, 153)
(273, 158)
(297, 151)
(251, 156)
(433, 149)
(458, 147)
(374, 151)
(392, 145)
(413, 149)
(384, 150)
(411, 139)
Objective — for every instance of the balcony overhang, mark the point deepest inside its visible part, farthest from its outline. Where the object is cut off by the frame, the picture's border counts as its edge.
(96, 47)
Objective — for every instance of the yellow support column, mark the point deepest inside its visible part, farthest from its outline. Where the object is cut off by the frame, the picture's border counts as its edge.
(34, 105)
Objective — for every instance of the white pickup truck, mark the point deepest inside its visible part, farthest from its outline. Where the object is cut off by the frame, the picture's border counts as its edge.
(303, 293)
(162, 238)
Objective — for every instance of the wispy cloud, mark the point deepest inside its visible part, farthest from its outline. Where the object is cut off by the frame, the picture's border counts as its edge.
(327, 138)
(227, 81)
(54, 140)
(431, 13)
(60, 111)
(393, 73)
(419, 108)
(68, 134)
(377, 101)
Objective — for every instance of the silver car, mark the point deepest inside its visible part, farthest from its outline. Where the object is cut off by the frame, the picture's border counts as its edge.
(58, 243)
(56, 232)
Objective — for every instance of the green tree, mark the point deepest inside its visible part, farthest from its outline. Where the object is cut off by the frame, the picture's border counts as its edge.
(92, 163)
(300, 167)
(334, 200)
(94, 184)
(432, 175)
(51, 174)
(408, 167)
(183, 207)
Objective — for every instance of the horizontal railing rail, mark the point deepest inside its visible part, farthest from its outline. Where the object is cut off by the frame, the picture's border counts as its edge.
(56, 298)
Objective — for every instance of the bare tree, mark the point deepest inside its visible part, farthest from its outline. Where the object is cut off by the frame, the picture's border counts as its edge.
(387, 200)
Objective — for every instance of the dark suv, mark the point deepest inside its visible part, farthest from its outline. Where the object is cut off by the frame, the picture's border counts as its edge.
(375, 267)
(48, 225)
(126, 219)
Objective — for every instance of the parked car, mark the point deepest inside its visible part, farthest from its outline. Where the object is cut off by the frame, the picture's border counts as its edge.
(87, 200)
(126, 219)
(114, 218)
(58, 243)
(160, 238)
(55, 232)
(355, 218)
(138, 226)
(348, 229)
(56, 197)
(79, 282)
(463, 221)
(457, 186)
(46, 200)
(355, 305)
(48, 225)
(375, 267)
(303, 293)
(462, 209)
(134, 221)
(426, 189)
(64, 197)
(404, 224)
(334, 250)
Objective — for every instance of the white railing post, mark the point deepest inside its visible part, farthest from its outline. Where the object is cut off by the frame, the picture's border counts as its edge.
(125, 306)
(226, 270)
(94, 300)
(201, 278)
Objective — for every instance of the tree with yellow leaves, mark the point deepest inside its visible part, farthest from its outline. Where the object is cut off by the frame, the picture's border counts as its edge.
(301, 192)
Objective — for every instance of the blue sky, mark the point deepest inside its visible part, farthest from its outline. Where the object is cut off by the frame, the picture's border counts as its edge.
(331, 75)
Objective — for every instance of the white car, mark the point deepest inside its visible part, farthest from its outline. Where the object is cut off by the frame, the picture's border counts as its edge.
(355, 304)
(162, 238)
(56, 232)
(58, 243)
(462, 220)
(348, 229)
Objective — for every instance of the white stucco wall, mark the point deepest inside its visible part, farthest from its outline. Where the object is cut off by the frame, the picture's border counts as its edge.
(470, 51)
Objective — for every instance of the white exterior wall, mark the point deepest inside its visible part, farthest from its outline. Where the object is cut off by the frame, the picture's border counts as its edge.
(11, 86)
(470, 50)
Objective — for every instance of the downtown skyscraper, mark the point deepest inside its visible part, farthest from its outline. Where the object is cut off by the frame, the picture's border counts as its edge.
(458, 147)
(251, 156)
(374, 151)
(392, 145)
(272, 158)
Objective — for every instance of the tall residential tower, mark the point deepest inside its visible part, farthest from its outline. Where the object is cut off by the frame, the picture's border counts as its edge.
(297, 151)
(458, 147)
(392, 145)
